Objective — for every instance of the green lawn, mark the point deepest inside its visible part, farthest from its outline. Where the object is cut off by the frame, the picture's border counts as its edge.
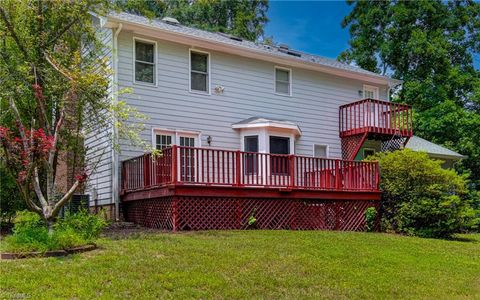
(254, 264)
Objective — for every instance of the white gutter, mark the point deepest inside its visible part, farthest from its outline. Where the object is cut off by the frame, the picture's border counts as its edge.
(115, 177)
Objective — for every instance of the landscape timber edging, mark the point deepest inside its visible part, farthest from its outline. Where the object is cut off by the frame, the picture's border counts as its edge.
(53, 253)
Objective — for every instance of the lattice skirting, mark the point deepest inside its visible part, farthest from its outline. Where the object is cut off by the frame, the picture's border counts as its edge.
(200, 213)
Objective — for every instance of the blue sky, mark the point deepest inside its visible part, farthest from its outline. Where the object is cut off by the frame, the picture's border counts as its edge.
(312, 26)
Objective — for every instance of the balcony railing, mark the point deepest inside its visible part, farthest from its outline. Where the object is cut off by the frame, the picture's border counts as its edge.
(375, 116)
(216, 167)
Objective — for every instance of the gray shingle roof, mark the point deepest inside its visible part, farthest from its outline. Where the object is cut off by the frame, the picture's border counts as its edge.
(418, 144)
(248, 45)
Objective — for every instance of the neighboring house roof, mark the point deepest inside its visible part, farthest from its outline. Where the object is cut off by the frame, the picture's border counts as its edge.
(227, 40)
(418, 144)
(259, 122)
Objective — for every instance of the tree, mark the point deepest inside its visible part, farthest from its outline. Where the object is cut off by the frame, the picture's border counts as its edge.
(430, 46)
(53, 82)
(421, 198)
(242, 18)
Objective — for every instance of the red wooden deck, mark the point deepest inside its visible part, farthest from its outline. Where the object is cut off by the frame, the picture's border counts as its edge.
(201, 188)
(208, 167)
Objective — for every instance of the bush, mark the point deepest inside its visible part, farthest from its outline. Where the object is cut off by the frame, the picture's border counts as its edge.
(370, 218)
(420, 198)
(30, 233)
(86, 225)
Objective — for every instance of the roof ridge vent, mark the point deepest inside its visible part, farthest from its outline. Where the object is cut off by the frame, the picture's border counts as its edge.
(232, 37)
(283, 47)
(171, 21)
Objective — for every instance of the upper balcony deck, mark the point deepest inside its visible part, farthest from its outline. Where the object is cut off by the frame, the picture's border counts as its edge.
(377, 117)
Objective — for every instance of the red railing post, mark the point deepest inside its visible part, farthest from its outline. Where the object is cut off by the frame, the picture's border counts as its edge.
(174, 164)
(238, 172)
(292, 170)
(377, 176)
(338, 179)
(146, 170)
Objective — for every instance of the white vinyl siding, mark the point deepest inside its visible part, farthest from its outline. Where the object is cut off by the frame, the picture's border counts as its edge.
(98, 140)
(248, 92)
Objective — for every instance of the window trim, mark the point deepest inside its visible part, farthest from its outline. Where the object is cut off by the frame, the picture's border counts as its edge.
(376, 91)
(176, 135)
(327, 151)
(155, 62)
(209, 72)
(275, 81)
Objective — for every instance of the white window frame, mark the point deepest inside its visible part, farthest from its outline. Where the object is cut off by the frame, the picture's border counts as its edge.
(327, 151)
(155, 63)
(373, 89)
(275, 81)
(176, 134)
(209, 72)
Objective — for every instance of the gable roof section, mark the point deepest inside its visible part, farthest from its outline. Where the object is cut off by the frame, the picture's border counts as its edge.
(226, 43)
(418, 144)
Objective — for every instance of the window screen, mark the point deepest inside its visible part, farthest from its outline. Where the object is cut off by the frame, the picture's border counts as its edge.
(199, 71)
(282, 81)
(144, 62)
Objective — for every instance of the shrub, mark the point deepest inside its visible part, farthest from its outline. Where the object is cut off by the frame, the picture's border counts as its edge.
(88, 226)
(420, 198)
(30, 232)
(370, 218)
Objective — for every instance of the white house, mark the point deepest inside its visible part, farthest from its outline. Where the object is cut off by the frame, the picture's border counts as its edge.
(215, 91)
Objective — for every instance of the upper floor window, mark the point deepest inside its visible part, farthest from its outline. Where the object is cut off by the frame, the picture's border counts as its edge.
(370, 92)
(199, 72)
(283, 81)
(144, 61)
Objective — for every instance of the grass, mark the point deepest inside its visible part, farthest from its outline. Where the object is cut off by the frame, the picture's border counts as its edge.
(254, 264)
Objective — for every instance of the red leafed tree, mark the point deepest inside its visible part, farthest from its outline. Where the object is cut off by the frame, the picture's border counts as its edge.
(54, 84)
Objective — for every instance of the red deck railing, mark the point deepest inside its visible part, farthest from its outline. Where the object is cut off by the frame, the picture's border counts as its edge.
(217, 167)
(376, 116)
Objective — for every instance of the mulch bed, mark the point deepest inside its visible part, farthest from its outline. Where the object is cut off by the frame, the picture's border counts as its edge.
(53, 253)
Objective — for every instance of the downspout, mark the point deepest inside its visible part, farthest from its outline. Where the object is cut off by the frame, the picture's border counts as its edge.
(115, 177)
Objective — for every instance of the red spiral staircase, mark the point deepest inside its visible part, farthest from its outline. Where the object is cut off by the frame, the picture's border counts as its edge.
(370, 119)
